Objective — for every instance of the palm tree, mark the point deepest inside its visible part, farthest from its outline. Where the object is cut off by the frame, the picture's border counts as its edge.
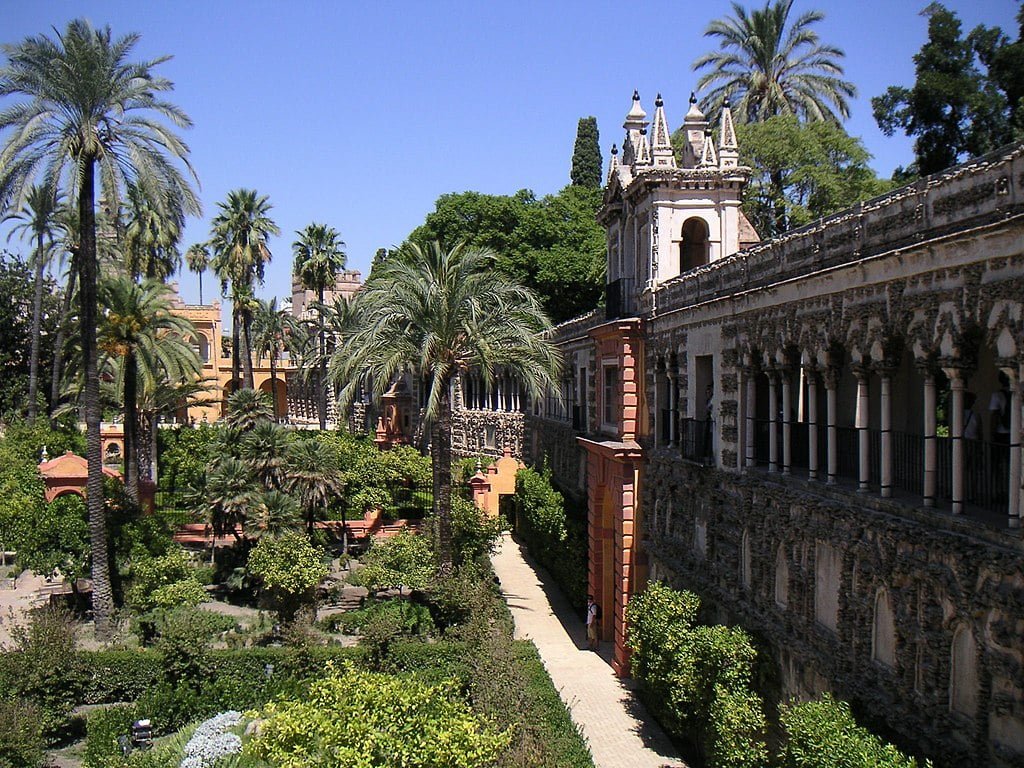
(229, 496)
(272, 332)
(149, 237)
(246, 409)
(90, 112)
(239, 242)
(765, 69)
(313, 476)
(197, 257)
(38, 220)
(264, 449)
(138, 328)
(319, 256)
(436, 314)
(277, 513)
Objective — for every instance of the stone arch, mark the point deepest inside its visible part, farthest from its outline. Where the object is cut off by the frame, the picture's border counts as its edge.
(883, 633)
(963, 672)
(695, 244)
(232, 386)
(268, 386)
(202, 346)
(112, 453)
(781, 577)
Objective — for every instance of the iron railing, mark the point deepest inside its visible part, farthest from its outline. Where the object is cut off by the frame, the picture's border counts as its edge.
(696, 440)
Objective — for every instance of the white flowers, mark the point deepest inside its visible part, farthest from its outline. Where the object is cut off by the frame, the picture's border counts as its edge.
(210, 741)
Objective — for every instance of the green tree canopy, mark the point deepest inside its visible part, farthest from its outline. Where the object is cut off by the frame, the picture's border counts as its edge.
(967, 96)
(802, 171)
(586, 155)
(553, 245)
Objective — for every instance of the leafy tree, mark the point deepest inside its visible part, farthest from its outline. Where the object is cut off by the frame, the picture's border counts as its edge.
(240, 253)
(586, 155)
(367, 718)
(766, 68)
(319, 256)
(954, 109)
(553, 245)
(38, 220)
(87, 108)
(401, 561)
(802, 171)
(185, 454)
(289, 569)
(438, 313)
(57, 539)
(197, 258)
(139, 331)
(164, 582)
(16, 330)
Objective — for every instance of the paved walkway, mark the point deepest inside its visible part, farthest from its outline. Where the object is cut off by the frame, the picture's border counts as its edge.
(620, 732)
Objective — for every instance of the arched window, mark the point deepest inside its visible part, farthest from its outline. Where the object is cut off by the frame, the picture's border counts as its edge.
(781, 577)
(694, 248)
(963, 675)
(883, 634)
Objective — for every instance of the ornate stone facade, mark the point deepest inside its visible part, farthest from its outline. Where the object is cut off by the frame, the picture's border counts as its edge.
(819, 434)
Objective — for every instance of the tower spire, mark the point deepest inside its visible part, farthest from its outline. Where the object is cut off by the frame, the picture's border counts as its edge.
(694, 124)
(728, 147)
(634, 124)
(661, 141)
(707, 155)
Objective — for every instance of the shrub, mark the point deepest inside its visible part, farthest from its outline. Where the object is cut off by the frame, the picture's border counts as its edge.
(698, 678)
(43, 667)
(366, 718)
(474, 533)
(163, 582)
(289, 569)
(110, 676)
(103, 728)
(21, 735)
(404, 560)
(824, 734)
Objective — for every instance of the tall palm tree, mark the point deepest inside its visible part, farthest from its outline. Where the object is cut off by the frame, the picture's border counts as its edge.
(319, 256)
(90, 112)
(765, 69)
(38, 220)
(197, 257)
(436, 314)
(229, 496)
(149, 237)
(240, 253)
(272, 332)
(264, 449)
(138, 328)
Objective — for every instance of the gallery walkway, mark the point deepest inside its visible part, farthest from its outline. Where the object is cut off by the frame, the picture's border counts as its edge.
(618, 729)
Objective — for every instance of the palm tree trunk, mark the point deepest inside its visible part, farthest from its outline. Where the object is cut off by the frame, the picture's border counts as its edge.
(58, 351)
(102, 596)
(321, 385)
(200, 273)
(441, 464)
(246, 335)
(37, 313)
(131, 431)
(273, 381)
(236, 346)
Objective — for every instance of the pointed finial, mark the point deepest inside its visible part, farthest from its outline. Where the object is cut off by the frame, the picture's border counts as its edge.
(636, 95)
(615, 149)
(693, 97)
(658, 102)
(725, 103)
(45, 456)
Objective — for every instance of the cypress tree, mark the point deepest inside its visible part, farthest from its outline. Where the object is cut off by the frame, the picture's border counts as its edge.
(586, 155)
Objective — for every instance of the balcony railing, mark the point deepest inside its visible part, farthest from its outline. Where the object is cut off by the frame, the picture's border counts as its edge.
(696, 439)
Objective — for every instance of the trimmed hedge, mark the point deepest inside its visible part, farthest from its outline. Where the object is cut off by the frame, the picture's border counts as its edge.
(558, 542)
(103, 728)
(824, 734)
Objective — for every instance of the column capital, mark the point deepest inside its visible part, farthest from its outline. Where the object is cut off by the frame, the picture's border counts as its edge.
(861, 370)
(830, 375)
(885, 368)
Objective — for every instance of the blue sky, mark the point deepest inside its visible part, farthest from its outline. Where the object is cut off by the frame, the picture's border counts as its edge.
(360, 115)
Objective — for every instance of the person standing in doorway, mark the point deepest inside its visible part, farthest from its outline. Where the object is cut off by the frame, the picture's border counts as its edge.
(593, 623)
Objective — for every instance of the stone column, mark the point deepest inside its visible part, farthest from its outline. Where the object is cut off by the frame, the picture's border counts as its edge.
(787, 426)
(863, 443)
(831, 378)
(957, 385)
(930, 440)
(773, 423)
(751, 413)
(812, 422)
(885, 372)
(1015, 443)
(657, 404)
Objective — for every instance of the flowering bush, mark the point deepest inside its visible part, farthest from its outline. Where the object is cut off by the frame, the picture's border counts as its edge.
(212, 740)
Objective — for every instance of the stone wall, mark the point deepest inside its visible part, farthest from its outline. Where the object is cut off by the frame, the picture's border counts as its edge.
(552, 443)
(486, 433)
(788, 559)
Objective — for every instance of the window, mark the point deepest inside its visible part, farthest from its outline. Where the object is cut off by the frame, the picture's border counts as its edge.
(489, 436)
(694, 248)
(610, 396)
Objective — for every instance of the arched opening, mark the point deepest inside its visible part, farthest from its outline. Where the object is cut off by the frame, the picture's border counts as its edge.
(112, 454)
(883, 635)
(963, 676)
(694, 248)
(229, 388)
(281, 401)
(202, 347)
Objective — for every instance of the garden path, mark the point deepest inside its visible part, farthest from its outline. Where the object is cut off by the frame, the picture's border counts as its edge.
(617, 727)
